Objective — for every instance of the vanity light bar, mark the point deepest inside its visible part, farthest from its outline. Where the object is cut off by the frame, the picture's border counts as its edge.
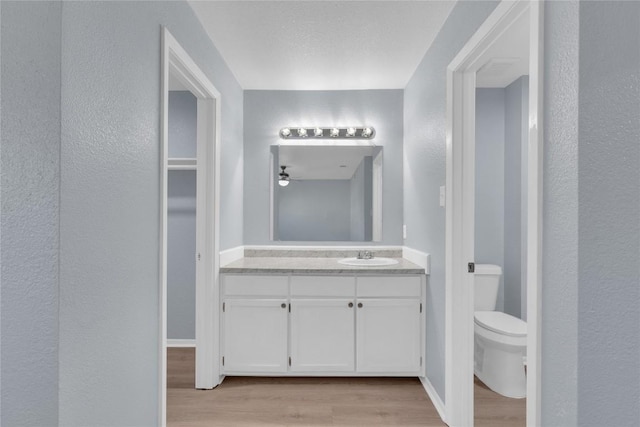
(352, 132)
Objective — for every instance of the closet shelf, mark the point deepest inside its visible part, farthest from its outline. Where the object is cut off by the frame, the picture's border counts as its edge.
(175, 163)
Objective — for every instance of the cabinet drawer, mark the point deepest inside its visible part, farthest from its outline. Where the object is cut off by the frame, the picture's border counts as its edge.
(323, 286)
(242, 285)
(389, 286)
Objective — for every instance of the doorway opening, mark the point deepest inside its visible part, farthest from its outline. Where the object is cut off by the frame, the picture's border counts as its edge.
(190, 188)
(478, 63)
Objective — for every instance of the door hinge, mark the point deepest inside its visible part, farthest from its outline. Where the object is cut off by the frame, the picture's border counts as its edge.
(289, 360)
(222, 360)
(420, 307)
(471, 267)
(223, 307)
(289, 307)
(420, 360)
(198, 256)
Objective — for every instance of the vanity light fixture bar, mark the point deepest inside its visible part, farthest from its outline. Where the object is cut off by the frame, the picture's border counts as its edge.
(355, 132)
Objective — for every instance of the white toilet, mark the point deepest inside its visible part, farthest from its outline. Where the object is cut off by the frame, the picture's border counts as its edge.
(500, 339)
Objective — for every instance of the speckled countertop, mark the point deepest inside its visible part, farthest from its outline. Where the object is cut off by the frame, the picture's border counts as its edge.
(314, 265)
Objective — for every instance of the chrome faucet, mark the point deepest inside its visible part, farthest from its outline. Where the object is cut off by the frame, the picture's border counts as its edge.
(365, 255)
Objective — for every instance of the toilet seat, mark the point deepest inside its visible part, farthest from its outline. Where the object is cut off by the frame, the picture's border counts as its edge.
(501, 323)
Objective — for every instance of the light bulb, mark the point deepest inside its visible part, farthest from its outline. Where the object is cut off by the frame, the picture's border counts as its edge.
(351, 132)
(283, 182)
(285, 132)
(302, 133)
(318, 132)
(366, 132)
(334, 132)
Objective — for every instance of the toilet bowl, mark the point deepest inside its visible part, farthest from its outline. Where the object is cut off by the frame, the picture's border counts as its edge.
(500, 339)
(500, 348)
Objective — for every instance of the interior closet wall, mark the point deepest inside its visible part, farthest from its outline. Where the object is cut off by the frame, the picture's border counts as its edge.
(181, 219)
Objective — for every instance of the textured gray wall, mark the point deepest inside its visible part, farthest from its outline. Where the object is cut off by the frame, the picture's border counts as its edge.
(609, 215)
(590, 320)
(559, 328)
(110, 196)
(424, 166)
(515, 191)
(30, 185)
(266, 112)
(490, 181)
(107, 101)
(181, 219)
(315, 210)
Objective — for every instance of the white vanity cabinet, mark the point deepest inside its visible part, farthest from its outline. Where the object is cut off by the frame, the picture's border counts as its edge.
(255, 316)
(388, 335)
(389, 324)
(322, 325)
(258, 328)
(322, 335)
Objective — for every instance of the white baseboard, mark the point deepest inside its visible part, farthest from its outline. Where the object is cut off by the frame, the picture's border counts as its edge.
(420, 258)
(229, 255)
(434, 396)
(181, 343)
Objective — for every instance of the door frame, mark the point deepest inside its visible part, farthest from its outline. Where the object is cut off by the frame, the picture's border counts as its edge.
(177, 62)
(460, 202)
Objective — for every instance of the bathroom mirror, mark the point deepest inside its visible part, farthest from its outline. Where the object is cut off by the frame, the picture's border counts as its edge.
(326, 193)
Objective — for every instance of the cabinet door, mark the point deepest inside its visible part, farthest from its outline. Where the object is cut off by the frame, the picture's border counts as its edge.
(389, 335)
(322, 335)
(255, 335)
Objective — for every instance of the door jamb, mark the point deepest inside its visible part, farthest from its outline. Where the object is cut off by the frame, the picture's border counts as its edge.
(177, 62)
(460, 169)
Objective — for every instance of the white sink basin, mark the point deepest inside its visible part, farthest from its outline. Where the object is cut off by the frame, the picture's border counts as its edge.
(373, 262)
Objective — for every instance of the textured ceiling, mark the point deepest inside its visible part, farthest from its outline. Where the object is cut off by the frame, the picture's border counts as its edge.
(322, 45)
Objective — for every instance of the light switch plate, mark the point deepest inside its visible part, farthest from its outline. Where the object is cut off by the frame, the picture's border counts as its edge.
(404, 231)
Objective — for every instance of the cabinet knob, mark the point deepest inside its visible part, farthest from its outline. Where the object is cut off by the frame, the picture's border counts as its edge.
(359, 305)
(283, 305)
(350, 304)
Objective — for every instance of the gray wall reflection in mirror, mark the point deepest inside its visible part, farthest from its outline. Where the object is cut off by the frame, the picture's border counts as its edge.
(331, 195)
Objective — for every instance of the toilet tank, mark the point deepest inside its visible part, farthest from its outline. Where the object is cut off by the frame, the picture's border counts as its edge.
(487, 281)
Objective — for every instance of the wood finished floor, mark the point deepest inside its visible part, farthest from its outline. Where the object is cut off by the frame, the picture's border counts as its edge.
(256, 401)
